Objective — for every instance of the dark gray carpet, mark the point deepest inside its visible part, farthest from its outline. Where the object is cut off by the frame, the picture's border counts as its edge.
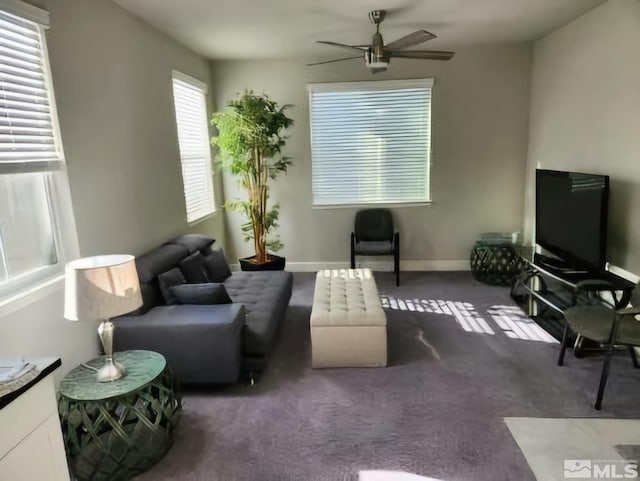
(436, 411)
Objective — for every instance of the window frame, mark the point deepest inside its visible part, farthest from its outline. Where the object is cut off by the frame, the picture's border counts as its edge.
(372, 85)
(56, 182)
(210, 172)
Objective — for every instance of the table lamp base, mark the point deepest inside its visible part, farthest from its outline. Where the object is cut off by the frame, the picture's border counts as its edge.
(111, 370)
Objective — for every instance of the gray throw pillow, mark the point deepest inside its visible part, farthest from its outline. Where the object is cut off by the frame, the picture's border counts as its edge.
(167, 280)
(193, 269)
(216, 266)
(201, 294)
(194, 242)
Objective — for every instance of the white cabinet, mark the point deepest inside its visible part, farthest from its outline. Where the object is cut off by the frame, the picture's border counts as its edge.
(31, 446)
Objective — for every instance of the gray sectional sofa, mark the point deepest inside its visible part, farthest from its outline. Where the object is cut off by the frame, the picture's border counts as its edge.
(206, 343)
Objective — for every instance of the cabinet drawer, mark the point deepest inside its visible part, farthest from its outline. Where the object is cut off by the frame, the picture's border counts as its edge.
(26, 413)
(39, 456)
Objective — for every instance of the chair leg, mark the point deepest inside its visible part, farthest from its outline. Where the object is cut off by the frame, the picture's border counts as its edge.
(634, 358)
(563, 344)
(604, 376)
(353, 250)
(396, 257)
(396, 268)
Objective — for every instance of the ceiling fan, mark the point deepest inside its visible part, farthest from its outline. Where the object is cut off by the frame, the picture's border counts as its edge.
(377, 55)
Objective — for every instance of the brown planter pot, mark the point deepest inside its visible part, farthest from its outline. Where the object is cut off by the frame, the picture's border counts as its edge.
(274, 263)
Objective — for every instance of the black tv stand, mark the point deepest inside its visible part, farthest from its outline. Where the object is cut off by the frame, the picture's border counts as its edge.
(558, 265)
(545, 290)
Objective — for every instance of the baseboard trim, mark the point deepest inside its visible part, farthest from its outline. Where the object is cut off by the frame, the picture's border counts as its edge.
(405, 265)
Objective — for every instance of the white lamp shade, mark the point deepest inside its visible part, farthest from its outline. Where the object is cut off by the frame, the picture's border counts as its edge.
(101, 287)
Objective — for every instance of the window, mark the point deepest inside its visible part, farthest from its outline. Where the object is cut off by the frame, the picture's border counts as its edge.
(35, 231)
(370, 142)
(189, 96)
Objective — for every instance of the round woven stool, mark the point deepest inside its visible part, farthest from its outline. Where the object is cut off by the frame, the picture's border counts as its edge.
(116, 430)
(496, 264)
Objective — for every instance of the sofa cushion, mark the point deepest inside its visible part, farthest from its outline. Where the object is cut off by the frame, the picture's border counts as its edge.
(265, 296)
(209, 293)
(194, 242)
(372, 248)
(193, 268)
(217, 266)
(159, 260)
(151, 297)
(201, 343)
(167, 280)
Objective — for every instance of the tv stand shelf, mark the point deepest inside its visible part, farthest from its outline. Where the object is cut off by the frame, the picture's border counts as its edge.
(542, 285)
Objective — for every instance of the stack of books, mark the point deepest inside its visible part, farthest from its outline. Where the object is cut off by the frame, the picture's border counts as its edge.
(497, 238)
(15, 373)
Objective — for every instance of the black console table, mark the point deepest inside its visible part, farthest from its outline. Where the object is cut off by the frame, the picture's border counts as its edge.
(540, 284)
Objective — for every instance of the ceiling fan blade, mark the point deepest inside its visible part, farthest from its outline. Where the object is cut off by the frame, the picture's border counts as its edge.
(425, 54)
(414, 38)
(334, 60)
(342, 45)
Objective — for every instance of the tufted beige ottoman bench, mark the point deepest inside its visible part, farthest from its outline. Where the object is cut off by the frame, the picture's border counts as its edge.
(348, 324)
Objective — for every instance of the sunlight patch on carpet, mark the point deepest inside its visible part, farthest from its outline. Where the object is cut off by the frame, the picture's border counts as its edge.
(517, 325)
(510, 320)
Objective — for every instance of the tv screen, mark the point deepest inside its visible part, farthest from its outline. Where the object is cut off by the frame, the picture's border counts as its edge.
(571, 217)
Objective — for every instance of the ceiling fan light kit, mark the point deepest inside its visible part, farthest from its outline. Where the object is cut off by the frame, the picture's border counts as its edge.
(377, 56)
(375, 62)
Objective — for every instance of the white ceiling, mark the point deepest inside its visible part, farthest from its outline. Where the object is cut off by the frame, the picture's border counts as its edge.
(228, 29)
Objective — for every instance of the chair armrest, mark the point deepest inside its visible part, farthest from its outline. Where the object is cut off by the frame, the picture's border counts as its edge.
(629, 311)
(594, 285)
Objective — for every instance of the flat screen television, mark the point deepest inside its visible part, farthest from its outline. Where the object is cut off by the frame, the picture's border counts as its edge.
(571, 217)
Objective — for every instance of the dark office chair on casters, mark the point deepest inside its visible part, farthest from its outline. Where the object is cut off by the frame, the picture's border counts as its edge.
(610, 327)
(375, 236)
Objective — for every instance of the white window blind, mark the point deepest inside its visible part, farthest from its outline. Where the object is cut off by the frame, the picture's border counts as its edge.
(28, 140)
(37, 232)
(193, 140)
(370, 142)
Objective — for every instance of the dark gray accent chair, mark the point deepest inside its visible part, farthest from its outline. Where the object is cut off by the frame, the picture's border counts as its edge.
(374, 235)
(611, 327)
(206, 344)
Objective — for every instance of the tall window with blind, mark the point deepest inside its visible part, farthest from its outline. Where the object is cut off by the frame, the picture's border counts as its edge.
(189, 96)
(32, 173)
(370, 142)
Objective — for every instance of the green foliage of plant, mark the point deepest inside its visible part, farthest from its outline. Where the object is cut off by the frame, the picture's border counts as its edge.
(250, 140)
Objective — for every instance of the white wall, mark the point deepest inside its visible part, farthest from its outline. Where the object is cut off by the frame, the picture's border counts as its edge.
(112, 78)
(480, 115)
(585, 114)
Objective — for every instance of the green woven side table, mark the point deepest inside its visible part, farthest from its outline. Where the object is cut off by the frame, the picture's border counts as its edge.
(114, 431)
(495, 263)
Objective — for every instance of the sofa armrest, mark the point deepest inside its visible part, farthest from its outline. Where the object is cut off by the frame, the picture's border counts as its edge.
(202, 343)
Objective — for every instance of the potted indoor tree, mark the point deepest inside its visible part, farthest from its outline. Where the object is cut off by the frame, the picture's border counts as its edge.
(250, 141)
